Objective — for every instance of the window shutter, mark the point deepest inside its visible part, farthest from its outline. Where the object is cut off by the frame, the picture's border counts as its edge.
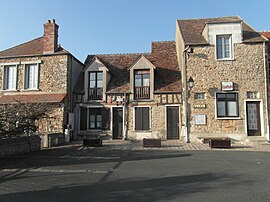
(145, 118)
(83, 119)
(106, 118)
(138, 118)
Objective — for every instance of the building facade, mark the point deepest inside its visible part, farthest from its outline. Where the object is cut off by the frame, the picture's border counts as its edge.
(130, 96)
(226, 61)
(41, 71)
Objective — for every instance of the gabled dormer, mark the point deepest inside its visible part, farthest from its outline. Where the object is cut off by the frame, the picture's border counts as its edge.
(96, 77)
(142, 79)
(223, 35)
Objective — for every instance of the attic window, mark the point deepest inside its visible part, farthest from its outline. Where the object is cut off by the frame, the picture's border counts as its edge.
(224, 47)
(95, 85)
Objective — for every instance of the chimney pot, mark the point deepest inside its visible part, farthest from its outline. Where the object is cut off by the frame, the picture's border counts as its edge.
(49, 21)
(54, 21)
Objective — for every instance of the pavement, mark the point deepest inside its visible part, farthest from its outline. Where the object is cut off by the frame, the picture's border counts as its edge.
(125, 171)
(177, 145)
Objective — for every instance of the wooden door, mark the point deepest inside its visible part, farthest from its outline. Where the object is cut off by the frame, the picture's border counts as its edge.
(253, 118)
(117, 123)
(172, 122)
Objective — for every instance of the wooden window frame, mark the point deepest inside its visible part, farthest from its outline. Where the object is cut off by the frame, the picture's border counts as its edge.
(226, 100)
(95, 93)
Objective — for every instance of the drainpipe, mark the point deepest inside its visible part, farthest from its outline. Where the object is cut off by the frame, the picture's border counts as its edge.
(185, 93)
(124, 118)
(266, 68)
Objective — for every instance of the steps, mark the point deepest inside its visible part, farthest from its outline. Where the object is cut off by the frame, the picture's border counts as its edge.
(254, 140)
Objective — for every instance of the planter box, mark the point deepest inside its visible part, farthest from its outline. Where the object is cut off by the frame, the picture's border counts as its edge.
(220, 143)
(151, 142)
(93, 142)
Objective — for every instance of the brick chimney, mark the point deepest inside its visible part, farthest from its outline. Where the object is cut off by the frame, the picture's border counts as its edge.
(50, 37)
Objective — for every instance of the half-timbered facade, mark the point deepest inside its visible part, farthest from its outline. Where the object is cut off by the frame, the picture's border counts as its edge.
(130, 96)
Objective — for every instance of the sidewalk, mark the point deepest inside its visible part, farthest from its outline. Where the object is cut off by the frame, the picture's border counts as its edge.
(175, 145)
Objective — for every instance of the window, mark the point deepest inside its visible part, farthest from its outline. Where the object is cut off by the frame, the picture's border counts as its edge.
(224, 47)
(199, 96)
(31, 76)
(10, 77)
(253, 95)
(142, 84)
(95, 118)
(227, 105)
(142, 118)
(95, 85)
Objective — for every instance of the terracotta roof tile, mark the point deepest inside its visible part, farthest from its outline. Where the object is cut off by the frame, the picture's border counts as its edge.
(163, 57)
(266, 34)
(192, 30)
(33, 47)
(33, 98)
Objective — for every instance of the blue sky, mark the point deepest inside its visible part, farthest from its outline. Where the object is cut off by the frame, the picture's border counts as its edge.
(116, 26)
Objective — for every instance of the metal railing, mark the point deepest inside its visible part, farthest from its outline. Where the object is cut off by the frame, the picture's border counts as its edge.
(142, 92)
(95, 94)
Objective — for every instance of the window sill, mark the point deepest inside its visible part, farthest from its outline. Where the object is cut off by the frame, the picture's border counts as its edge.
(142, 131)
(9, 90)
(228, 118)
(225, 59)
(30, 90)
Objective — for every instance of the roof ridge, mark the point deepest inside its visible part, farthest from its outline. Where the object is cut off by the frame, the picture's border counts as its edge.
(208, 18)
(163, 41)
(21, 44)
(112, 54)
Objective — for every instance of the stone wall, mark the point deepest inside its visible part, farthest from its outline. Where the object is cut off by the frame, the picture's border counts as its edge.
(52, 76)
(19, 145)
(247, 73)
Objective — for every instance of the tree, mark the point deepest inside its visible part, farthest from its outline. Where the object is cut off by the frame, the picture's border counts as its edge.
(19, 119)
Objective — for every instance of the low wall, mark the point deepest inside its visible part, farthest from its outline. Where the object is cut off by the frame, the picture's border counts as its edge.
(19, 145)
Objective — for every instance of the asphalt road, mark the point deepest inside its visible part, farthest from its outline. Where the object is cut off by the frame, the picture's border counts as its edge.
(101, 174)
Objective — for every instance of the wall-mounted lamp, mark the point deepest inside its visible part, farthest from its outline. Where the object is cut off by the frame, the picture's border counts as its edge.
(190, 83)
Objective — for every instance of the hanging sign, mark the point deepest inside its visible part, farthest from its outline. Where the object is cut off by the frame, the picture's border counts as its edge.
(226, 85)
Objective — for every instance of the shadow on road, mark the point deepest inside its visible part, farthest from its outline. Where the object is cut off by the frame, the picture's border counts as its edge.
(163, 188)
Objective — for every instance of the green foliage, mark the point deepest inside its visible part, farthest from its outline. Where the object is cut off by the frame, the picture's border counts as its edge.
(20, 119)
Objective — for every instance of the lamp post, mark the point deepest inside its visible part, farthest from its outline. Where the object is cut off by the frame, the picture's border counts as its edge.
(188, 84)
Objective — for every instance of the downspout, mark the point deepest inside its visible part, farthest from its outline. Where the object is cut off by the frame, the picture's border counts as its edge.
(266, 68)
(125, 118)
(185, 93)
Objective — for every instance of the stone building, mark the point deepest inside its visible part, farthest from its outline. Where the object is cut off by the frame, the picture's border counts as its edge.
(224, 79)
(41, 71)
(130, 96)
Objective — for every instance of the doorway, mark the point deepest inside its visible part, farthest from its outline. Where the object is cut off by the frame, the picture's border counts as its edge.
(117, 126)
(253, 118)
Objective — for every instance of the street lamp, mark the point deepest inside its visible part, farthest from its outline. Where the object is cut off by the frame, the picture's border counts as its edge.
(190, 83)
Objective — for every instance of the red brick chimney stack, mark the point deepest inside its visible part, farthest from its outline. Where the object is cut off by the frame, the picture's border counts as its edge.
(50, 37)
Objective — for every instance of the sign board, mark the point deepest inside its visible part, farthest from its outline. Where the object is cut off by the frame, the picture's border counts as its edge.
(200, 119)
(201, 106)
(226, 85)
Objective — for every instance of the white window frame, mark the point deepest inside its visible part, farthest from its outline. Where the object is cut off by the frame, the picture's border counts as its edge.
(35, 77)
(150, 118)
(223, 47)
(199, 93)
(5, 83)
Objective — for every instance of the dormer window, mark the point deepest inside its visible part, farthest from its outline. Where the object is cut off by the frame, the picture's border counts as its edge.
(142, 84)
(95, 86)
(224, 47)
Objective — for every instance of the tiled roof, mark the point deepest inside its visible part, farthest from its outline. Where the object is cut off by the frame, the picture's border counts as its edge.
(192, 30)
(266, 34)
(33, 47)
(33, 98)
(163, 57)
